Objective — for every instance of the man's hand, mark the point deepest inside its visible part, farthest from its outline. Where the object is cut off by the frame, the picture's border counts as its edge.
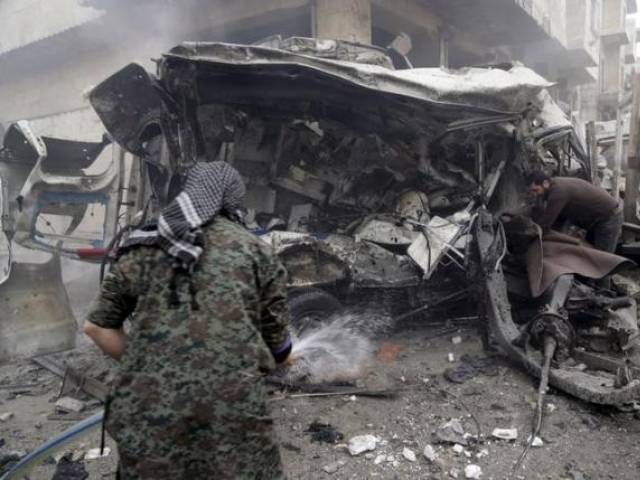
(111, 341)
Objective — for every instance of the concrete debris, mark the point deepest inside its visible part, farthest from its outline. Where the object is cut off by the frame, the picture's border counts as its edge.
(458, 448)
(473, 472)
(430, 453)
(453, 473)
(505, 433)
(457, 340)
(68, 404)
(482, 453)
(409, 454)
(451, 432)
(379, 459)
(451, 358)
(333, 467)
(369, 456)
(94, 453)
(6, 416)
(362, 443)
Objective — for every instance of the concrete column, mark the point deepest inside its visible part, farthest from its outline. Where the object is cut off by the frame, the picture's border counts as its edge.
(343, 20)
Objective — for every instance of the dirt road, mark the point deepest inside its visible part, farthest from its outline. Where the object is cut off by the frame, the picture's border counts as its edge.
(580, 441)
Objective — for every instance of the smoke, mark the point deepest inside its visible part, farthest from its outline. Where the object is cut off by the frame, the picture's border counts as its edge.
(340, 350)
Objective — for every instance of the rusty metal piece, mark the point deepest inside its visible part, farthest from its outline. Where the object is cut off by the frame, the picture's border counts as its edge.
(72, 379)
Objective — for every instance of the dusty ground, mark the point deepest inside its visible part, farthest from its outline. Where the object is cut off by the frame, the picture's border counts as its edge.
(580, 441)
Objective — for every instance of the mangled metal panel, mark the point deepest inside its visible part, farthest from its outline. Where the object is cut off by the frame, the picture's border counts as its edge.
(59, 194)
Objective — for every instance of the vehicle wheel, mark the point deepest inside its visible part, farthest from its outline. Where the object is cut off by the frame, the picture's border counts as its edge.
(310, 308)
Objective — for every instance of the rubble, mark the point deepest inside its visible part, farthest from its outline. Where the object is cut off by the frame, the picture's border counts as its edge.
(430, 453)
(451, 432)
(333, 467)
(473, 472)
(408, 454)
(70, 405)
(505, 433)
(94, 453)
(362, 443)
(458, 448)
(6, 416)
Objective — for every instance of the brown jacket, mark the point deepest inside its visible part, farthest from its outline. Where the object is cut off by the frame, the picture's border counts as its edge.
(578, 201)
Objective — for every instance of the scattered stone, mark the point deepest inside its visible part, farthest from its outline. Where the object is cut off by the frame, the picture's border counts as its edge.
(94, 453)
(6, 416)
(458, 448)
(68, 404)
(333, 467)
(473, 472)
(408, 454)
(353, 398)
(453, 473)
(451, 358)
(324, 433)
(430, 453)
(505, 433)
(451, 432)
(379, 459)
(482, 453)
(361, 444)
(369, 456)
(551, 407)
(403, 379)
(537, 442)
(457, 340)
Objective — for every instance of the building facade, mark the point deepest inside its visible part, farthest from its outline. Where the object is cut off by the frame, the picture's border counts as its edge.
(52, 52)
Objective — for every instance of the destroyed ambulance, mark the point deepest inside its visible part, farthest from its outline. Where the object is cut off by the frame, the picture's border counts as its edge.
(393, 188)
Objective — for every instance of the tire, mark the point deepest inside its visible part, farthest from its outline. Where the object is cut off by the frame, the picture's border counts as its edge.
(311, 308)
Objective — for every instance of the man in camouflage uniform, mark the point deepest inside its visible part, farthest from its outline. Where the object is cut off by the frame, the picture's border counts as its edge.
(189, 402)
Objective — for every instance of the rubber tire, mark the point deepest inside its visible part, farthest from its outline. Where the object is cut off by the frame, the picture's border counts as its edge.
(310, 308)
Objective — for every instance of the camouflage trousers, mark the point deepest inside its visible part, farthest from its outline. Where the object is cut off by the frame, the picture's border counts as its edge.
(199, 438)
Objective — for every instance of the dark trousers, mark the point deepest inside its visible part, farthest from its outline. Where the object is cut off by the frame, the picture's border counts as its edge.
(606, 233)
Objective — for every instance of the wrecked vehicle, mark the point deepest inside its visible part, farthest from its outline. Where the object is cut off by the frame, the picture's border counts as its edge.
(50, 203)
(380, 186)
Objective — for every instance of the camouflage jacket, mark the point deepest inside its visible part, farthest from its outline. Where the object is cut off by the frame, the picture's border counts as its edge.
(230, 312)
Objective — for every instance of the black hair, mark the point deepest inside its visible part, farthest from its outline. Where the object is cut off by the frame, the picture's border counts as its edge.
(536, 177)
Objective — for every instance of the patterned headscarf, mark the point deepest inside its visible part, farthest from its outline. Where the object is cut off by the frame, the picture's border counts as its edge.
(210, 188)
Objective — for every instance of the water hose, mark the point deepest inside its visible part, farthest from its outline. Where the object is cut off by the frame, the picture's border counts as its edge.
(51, 446)
(550, 345)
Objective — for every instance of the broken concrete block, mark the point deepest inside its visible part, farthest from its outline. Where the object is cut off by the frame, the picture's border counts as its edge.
(333, 467)
(458, 448)
(473, 472)
(430, 453)
(379, 459)
(362, 443)
(6, 416)
(94, 453)
(408, 454)
(505, 433)
(68, 404)
(451, 432)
